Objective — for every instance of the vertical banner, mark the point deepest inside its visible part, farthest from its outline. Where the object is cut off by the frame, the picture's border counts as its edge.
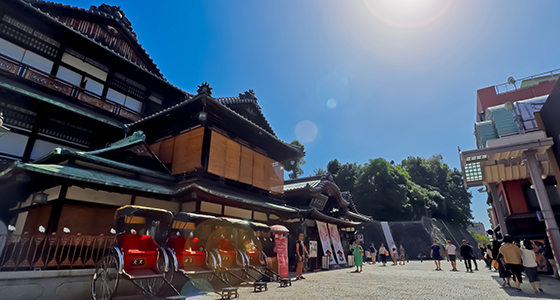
(335, 237)
(326, 241)
(281, 242)
(312, 249)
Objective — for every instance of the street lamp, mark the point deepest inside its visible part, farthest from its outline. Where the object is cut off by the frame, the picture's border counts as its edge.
(3, 129)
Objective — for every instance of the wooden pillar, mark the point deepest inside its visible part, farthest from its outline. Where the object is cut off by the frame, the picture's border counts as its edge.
(56, 211)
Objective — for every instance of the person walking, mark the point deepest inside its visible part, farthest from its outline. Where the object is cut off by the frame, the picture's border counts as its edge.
(530, 266)
(357, 251)
(483, 250)
(451, 252)
(394, 253)
(373, 253)
(502, 271)
(467, 255)
(548, 254)
(511, 257)
(436, 255)
(301, 250)
(473, 257)
(383, 254)
(402, 255)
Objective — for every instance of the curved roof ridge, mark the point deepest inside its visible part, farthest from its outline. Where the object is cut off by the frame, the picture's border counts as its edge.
(128, 27)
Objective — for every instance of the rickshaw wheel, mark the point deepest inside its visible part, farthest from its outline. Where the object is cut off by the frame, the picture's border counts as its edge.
(106, 278)
(157, 285)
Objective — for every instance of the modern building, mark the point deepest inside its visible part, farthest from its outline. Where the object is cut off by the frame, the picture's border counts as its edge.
(477, 227)
(512, 161)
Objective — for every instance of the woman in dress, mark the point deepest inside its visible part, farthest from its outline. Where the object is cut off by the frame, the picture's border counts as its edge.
(357, 251)
(383, 254)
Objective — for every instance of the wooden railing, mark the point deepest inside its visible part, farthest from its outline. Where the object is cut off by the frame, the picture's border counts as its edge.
(52, 252)
(41, 78)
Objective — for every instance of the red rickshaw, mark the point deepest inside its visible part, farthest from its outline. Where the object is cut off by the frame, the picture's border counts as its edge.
(136, 255)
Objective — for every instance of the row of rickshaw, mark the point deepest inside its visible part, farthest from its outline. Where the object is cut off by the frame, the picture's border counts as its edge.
(154, 249)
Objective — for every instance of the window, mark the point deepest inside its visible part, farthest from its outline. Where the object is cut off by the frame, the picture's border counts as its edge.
(30, 58)
(84, 66)
(13, 144)
(125, 100)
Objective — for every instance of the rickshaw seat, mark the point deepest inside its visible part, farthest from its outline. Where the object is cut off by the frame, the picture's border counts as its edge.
(139, 247)
(196, 258)
(133, 243)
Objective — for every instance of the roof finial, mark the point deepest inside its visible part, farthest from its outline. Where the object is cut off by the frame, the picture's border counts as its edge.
(205, 89)
(250, 94)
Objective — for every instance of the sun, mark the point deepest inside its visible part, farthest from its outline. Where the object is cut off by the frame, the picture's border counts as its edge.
(408, 13)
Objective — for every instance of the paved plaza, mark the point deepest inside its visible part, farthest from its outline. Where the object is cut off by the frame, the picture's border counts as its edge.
(415, 280)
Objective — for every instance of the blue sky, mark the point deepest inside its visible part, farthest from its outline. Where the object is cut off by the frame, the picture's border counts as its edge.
(388, 78)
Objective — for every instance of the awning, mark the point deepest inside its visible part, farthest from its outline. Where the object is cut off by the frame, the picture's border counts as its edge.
(503, 159)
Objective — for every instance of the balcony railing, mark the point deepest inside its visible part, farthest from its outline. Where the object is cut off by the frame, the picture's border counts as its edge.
(510, 87)
(41, 78)
(52, 252)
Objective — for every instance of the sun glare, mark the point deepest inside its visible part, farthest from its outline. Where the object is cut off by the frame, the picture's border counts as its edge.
(408, 13)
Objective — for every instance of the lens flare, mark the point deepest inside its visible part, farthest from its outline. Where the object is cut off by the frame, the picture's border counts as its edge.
(408, 13)
(331, 103)
(306, 131)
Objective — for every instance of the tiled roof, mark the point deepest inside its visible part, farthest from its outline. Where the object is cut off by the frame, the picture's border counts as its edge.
(156, 76)
(238, 100)
(190, 98)
(124, 22)
(301, 185)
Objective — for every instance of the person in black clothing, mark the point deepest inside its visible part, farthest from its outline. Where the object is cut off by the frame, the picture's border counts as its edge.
(473, 257)
(467, 255)
(301, 251)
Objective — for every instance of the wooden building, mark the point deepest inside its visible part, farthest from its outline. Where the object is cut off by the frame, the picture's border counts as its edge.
(74, 82)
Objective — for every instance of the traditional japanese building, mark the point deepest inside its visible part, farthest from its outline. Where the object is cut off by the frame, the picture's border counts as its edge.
(72, 77)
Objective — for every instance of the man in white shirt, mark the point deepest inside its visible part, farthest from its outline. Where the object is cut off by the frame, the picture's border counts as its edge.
(451, 251)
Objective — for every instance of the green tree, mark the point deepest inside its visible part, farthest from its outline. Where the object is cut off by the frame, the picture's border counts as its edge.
(294, 165)
(319, 171)
(381, 190)
(447, 198)
(346, 177)
(333, 166)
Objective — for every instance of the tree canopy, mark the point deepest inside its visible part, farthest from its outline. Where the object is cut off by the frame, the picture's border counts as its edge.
(407, 191)
(294, 165)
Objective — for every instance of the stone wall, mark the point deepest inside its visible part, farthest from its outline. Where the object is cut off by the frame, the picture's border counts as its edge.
(417, 236)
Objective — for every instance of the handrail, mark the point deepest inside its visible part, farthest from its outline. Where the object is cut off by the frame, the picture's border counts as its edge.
(497, 87)
(52, 252)
(37, 76)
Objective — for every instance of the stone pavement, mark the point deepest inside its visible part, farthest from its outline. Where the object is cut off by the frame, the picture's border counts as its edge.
(415, 280)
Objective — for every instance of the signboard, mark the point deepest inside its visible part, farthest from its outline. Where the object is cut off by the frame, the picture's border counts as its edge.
(312, 249)
(319, 202)
(281, 242)
(361, 238)
(335, 238)
(326, 241)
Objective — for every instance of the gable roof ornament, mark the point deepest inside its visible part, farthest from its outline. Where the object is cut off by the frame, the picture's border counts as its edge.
(249, 95)
(114, 12)
(204, 89)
